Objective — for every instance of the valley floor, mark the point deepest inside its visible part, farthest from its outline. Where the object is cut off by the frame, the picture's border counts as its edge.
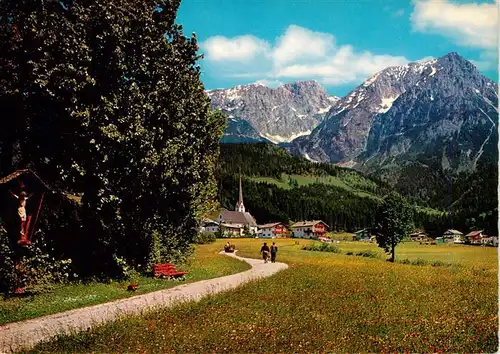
(326, 302)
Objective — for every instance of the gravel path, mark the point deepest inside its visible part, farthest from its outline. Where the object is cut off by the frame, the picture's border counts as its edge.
(26, 334)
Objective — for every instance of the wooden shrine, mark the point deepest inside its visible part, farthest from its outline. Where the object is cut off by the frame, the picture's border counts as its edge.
(22, 194)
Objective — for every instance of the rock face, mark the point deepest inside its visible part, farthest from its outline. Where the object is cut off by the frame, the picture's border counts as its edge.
(240, 131)
(442, 108)
(279, 115)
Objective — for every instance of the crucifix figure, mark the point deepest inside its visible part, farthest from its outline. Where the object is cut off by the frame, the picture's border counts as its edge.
(21, 212)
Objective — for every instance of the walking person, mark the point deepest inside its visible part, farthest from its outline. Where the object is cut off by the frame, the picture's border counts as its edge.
(274, 250)
(265, 252)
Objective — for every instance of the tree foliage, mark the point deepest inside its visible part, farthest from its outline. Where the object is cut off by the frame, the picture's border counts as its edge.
(394, 222)
(104, 99)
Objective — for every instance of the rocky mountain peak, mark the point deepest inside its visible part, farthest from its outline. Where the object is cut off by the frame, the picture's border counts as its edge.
(280, 114)
(440, 107)
(301, 85)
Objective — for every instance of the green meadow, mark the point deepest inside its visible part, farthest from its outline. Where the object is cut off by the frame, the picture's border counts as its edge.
(325, 302)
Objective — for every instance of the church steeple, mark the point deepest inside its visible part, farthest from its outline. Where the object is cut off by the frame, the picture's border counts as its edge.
(239, 206)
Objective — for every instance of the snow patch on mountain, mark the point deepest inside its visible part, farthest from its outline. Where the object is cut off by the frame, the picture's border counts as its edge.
(285, 139)
(347, 164)
(324, 110)
(387, 103)
(371, 80)
(307, 157)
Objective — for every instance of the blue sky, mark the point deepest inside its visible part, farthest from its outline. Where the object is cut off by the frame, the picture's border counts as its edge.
(339, 43)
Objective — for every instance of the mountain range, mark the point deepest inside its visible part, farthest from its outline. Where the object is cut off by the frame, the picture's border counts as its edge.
(276, 115)
(438, 114)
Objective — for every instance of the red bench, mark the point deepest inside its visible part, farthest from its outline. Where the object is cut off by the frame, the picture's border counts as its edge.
(167, 270)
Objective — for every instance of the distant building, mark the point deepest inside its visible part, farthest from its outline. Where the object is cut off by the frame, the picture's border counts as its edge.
(420, 237)
(309, 229)
(232, 221)
(489, 241)
(232, 230)
(362, 235)
(273, 230)
(452, 235)
(475, 237)
(208, 225)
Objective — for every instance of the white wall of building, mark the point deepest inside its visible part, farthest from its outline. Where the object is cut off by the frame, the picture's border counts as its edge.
(266, 233)
(300, 232)
(214, 228)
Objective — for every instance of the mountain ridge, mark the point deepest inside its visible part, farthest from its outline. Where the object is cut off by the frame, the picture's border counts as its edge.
(279, 114)
(358, 126)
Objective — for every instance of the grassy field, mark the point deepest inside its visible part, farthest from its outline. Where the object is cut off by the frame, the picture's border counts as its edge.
(305, 180)
(341, 236)
(325, 302)
(206, 263)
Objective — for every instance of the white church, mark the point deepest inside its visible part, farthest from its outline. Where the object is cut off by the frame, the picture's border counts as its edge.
(234, 222)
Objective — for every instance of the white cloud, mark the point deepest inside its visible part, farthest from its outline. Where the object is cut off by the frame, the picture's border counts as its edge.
(298, 54)
(470, 24)
(488, 60)
(243, 48)
(343, 66)
(269, 83)
(301, 43)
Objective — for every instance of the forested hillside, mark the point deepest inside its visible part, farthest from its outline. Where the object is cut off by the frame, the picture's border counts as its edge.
(267, 160)
(280, 187)
(471, 197)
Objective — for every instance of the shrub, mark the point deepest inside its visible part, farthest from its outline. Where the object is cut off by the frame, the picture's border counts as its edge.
(32, 267)
(322, 247)
(126, 271)
(422, 262)
(419, 261)
(204, 238)
(369, 254)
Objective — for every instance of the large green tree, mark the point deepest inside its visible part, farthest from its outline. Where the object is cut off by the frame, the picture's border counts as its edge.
(395, 221)
(103, 98)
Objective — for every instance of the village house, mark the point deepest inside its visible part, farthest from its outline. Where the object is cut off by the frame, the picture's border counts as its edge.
(419, 237)
(309, 229)
(452, 235)
(475, 237)
(235, 222)
(273, 230)
(230, 230)
(362, 235)
(490, 241)
(208, 225)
